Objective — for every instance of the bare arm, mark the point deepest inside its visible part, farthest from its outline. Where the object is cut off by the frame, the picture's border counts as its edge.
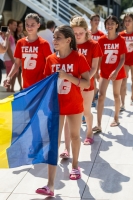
(94, 66)
(113, 75)
(10, 54)
(121, 63)
(97, 72)
(4, 45)
(14, 69)
(84, 82)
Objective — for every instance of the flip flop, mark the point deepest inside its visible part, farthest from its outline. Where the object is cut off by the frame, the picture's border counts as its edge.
(88, 141)
(113, 124)
(96, 129)
(76, 173)
(45, 191)
(65, 155)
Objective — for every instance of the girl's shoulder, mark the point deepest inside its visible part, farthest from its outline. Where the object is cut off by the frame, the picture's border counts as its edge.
(102, 38)
(22, 41)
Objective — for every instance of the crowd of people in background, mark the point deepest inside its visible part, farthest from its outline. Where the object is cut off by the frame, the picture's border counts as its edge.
(86, 60)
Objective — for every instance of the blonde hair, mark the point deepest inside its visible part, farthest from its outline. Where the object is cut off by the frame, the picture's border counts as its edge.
(80, 22)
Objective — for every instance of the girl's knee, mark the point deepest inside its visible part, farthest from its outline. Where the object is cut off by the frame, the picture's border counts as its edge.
(75, 137)
(101, 97)
(116, 96)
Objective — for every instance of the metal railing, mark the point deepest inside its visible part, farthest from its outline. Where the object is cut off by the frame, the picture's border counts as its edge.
(57, 10)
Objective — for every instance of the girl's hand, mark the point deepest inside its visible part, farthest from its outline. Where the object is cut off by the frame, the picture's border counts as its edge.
(97, 76)
(5, 35)
(6, 82)
(113, 75)
(62, 74)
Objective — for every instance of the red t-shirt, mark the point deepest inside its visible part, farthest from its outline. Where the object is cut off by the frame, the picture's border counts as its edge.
(112, 50)
(90, 49)
(96, 36)
(129, 40)
(33, 56)
(70, 98)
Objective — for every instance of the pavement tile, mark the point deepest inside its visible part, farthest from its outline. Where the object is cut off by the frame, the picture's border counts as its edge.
(108, 180)
(38, 197)
(4, 196)
(10, 178)
(119, 151)
(37, 177)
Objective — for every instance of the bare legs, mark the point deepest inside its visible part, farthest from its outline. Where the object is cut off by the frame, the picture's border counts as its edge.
(103, 84)
(52, 168)
(67, 137)
(87, 101)
(102, 93)
(116, 92)
(74, 122)
(124, 87)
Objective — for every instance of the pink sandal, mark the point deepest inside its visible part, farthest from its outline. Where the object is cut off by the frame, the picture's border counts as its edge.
(45, 191)
(88, 141)
(65, 155)
(76, 173)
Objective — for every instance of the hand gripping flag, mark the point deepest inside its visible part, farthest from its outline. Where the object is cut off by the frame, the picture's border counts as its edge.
(29, 122)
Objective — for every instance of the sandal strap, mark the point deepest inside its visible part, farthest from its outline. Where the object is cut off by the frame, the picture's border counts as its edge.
(89, 140)
(46, 188)
(75, 171)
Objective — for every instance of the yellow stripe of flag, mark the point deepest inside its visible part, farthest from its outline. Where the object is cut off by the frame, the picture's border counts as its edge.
(5, 129)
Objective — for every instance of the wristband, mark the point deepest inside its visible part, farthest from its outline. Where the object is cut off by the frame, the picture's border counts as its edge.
(78, 82)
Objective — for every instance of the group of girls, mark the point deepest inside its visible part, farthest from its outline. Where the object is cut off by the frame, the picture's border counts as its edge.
(79, 58)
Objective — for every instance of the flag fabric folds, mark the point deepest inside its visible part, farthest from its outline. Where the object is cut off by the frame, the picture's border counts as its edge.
(29, 123)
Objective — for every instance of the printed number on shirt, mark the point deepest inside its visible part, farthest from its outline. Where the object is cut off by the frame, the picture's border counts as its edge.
(129, 46)
(29, 62)
(111, 56)
(64, 86)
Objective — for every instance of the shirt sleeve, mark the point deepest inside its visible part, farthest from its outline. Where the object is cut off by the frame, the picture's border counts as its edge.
(18, 51)
(123, 48)
(83, 65)
(47, 69)
(46, 49)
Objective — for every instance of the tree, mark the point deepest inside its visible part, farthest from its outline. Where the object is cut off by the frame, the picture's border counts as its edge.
(126, 4)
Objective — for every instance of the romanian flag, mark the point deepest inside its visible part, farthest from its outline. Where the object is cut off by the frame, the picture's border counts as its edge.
(29, 123)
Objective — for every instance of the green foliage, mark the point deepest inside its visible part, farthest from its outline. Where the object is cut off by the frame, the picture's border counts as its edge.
(126, 4)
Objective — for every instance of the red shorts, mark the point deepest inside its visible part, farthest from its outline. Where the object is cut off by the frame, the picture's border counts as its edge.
(91, 85)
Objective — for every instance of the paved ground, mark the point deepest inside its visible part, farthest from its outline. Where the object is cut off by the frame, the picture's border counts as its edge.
(107, 165)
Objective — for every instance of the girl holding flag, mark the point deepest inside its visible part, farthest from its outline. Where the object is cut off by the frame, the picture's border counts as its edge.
(73, 72)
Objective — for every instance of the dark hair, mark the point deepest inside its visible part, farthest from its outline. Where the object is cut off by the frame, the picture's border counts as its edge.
(67, 31)
(33, 16)
(114, 18)
(15, 33)
(93, 16)
(10, 21)
(128, 15)
(19, 22)
(50, 24)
